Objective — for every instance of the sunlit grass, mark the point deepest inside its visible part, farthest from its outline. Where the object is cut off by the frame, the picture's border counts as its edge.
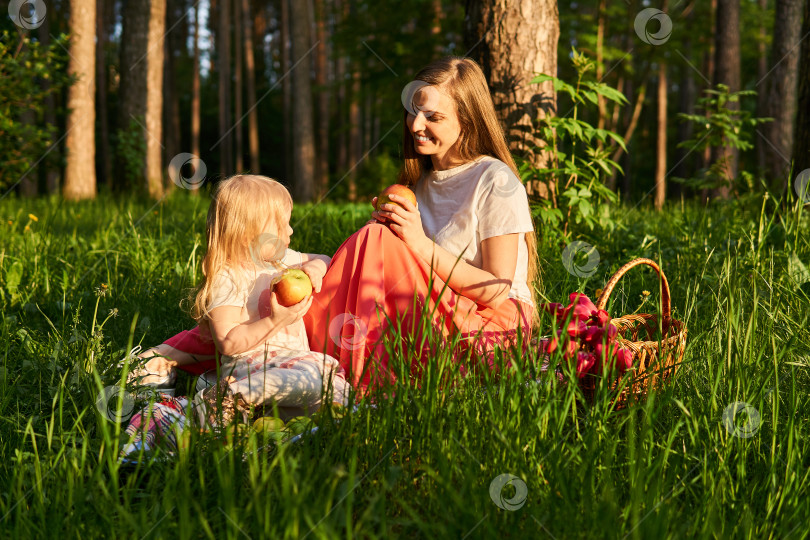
(84, 282)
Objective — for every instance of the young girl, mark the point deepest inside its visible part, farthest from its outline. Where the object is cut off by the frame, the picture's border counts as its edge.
(265, 354)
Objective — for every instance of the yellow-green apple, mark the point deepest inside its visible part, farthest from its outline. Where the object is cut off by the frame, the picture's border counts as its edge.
(292, 287)
(268, 423)
(395, 189)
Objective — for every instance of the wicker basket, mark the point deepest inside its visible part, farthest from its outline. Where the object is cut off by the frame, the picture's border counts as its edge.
(654, 361)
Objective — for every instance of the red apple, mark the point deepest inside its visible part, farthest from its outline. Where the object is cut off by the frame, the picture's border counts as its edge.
(292, 287)
(395, 189)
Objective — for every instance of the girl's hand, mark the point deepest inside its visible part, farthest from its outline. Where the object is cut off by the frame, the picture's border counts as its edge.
(406, 222)
(285, 316)
(315, 270)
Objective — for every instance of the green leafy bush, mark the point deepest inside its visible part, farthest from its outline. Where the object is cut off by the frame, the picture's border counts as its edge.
(579, 155)
(719, 126)
(25, 139)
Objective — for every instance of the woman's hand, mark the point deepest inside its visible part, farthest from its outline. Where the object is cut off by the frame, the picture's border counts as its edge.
(315, 270)
(374, 215)
(405, 221)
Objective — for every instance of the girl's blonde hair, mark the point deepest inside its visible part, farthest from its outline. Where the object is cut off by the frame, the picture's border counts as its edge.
(481, 134)
(242, 207)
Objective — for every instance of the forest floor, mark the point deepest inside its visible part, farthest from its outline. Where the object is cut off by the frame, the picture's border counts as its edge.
(722, 451)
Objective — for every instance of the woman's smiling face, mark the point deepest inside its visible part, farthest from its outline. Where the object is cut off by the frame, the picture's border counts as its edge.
(436, 127)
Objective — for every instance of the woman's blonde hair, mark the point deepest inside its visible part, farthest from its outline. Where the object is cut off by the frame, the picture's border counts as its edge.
(481, 134)
(242, 207)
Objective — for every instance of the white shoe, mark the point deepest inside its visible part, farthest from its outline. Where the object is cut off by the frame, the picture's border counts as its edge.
(206, 380)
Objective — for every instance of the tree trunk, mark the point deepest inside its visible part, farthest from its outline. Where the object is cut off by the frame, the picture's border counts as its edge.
(780, 85)
(224, 65)
(195, 91)
(436, 29)
(154, 98)
(51, 173)
(303, 129)
(250, 71)
(80, 143)
(106, 175)
(801, 144)
(237, 26)
(512, 40)
(600, 68)
(687, 98)
(176, 53)
(661, 139)
(727, 71)
(661, 142)
(322, 163)
(762, 71)
(286, 89)
(342, 153)
(709, 72)
(132, 99)
(141, 86)
(355, 137)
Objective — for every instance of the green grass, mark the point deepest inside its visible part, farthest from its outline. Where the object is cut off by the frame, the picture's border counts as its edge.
(421, 463)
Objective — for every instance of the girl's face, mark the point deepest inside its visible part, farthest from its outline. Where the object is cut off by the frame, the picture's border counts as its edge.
(435, 131)
(274, 249)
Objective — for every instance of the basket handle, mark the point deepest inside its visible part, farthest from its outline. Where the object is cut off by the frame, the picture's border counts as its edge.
(666, 304)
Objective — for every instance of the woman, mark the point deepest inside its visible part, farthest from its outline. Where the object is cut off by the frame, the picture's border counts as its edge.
(466, 250)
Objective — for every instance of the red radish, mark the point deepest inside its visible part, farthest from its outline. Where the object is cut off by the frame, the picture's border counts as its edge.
(586, 334)
(576, 329)
(585, 362)
(600, 317)
(579, 299)
(593, 335)
(624, 359)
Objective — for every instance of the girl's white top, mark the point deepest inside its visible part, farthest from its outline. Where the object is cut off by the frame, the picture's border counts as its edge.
(462, 206)
(249, 288)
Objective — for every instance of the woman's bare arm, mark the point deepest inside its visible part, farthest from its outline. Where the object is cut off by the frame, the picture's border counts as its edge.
(488, 285)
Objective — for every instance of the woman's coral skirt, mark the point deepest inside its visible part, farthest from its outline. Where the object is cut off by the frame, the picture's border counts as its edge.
(377, 287)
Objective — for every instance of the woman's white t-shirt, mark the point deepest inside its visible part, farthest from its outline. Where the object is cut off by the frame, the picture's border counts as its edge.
(462, 206)
(249, 288)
